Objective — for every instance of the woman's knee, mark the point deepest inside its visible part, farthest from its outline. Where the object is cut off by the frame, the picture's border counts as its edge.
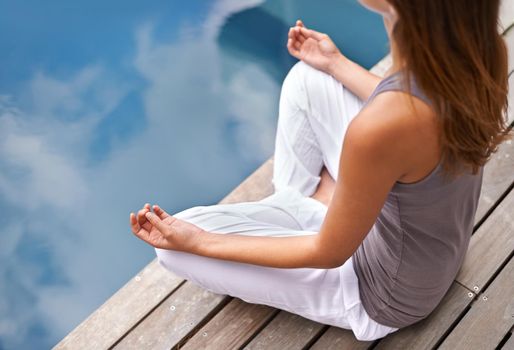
(189, 213)
(202, 271)
(306, 86)
(207, 217)
(174, 261)
(166, 258)
(303, 70)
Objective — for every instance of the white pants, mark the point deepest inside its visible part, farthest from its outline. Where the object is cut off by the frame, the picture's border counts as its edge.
(315, 110)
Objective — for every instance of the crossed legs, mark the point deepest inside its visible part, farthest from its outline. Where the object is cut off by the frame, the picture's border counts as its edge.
(314, 113)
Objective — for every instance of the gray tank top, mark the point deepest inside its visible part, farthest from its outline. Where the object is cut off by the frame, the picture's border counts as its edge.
(414, 250)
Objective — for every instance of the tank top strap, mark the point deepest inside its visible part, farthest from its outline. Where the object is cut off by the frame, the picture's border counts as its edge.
(396, 82)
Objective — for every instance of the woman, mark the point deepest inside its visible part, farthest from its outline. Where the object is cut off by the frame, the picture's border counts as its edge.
(377, 249)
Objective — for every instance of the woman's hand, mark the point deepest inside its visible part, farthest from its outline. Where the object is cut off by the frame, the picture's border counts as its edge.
(314, 48)
(161, 230)
(164, 231)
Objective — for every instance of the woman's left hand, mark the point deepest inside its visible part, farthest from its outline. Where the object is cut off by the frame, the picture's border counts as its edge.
(161, 230)
(314, 48)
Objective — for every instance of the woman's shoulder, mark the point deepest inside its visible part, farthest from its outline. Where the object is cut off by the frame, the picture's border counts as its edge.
(407, 127)
(398, 113)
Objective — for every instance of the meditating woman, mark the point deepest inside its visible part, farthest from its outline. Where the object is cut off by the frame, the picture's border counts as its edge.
(376, 180)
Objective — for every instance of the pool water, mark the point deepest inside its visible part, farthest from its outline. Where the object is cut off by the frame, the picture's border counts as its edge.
(106, 107)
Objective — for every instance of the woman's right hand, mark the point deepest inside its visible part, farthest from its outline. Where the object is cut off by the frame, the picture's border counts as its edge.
(312, 47)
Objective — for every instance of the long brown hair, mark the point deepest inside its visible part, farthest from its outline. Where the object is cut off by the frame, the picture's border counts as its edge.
(459, 59)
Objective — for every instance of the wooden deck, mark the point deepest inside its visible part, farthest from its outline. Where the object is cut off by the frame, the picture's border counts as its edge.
(156, 310)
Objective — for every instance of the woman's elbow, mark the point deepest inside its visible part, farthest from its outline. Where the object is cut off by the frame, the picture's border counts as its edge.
(337, 263)
(331, 262)
(327, 257)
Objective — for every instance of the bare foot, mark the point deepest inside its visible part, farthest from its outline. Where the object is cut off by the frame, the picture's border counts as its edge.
(326, 188)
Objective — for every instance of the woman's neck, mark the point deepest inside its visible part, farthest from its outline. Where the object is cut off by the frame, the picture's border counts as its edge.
(397, 61)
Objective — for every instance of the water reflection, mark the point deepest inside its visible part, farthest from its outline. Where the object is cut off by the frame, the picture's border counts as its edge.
(176, 108)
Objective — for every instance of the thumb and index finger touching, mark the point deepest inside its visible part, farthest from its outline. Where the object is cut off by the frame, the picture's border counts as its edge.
(309, 33)
(156, 218)
(160, 212)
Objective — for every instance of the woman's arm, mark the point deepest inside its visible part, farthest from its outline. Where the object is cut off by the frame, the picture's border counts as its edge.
(371, 161)
(283, 252)
(354, 77)
(319, 51)
(161, 230)
(368, 170)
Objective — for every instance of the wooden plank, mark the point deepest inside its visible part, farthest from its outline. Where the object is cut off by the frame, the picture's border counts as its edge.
(231, 327)
(286, 331)
(494, 240)
(123, 310)
(498, 176)
(498, 172)
(422, 335)
(491, 316)
(426, 333)
(174, 320)
(337, 338)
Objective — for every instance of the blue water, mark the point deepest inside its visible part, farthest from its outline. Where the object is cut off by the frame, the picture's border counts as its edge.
(106, 107)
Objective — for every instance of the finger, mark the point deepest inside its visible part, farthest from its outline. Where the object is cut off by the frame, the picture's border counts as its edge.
(146, 225)
(300, 36)
(309, 33)
(291, 34)
(160, 212)
(292, 50)
(299, 23)
(134, 225)
(296, 32)
(141, 216)
(297, 42)
(157, 222)
(139, 232)
(297, 45)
